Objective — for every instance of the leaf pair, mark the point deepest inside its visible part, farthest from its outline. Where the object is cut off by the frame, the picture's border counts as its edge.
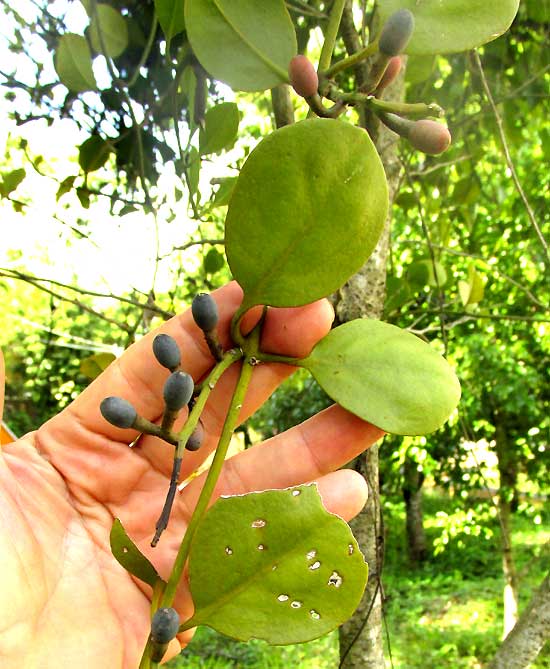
(301, 237)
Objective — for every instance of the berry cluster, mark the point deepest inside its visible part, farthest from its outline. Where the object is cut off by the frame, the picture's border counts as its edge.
(178, 392)
(425, 134)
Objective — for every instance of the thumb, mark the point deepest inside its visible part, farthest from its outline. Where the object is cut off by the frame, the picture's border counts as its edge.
(2, 382)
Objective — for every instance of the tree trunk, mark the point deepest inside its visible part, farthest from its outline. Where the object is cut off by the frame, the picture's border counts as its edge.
(413, 479)
(508, 479)
(531, 632)
(361, 640)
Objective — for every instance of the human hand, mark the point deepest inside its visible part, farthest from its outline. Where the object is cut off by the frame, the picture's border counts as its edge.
(67, 602)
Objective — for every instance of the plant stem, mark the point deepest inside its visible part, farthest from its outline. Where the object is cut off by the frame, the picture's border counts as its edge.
(274, 357)
(211, 480)
(350, 61)
(229, 358)
(330, 34)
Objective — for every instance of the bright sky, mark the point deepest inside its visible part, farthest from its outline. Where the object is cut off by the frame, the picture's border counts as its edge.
(120, 253)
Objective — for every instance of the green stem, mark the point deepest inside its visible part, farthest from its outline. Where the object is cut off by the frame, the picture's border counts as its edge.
(145, 662)
(330, 34)
(211, 480)
(145, 53)
(273, 357)
(236, 333)
(415, 109)
(350, 61)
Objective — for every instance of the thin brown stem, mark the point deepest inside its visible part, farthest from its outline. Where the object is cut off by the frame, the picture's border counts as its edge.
(508, 157)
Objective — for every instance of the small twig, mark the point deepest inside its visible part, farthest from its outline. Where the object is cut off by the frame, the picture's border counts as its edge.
(508, 157)
(77, 303)
(16, 274)
(162, 522)
(431, 251)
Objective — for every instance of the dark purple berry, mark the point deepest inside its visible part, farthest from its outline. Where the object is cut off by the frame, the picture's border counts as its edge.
(166, 351)
(118, 412)
(165, 625)
(396, 33)
(178, 390)
(195, 440)
(205, 311)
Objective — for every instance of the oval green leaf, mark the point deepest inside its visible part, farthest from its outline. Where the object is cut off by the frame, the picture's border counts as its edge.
(221, 126)
(11, 180)
(258, 41)
(93, 153)
(427, 273)
(275, 565)
(386, 376)
(170, 16)
(453, 25)
(130, 557)
(113, 29)
(95, 364)
(73, 63)
(306, 212)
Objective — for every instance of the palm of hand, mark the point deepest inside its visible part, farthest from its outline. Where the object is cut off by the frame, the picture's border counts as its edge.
(70, 602)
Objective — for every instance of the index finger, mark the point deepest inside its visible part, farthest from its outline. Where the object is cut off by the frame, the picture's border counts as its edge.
(137, 376)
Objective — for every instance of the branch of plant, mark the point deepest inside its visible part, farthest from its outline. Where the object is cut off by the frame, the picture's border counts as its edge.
(213, 474)
(16, 274)
(191, 423)
(350, 61)
(508, 158)
(119, 324)
(331, 32)
(414, 110)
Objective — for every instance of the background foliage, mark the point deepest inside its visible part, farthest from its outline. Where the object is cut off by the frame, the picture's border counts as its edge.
(468, 272)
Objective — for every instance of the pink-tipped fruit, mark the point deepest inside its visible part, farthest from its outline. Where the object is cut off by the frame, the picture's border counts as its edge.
(429, 136)
(303, 77)
(392, 70)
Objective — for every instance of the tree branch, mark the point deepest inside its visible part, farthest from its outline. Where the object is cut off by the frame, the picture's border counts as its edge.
(508, 157)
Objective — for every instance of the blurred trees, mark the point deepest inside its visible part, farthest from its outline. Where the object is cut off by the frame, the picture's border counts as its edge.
(468, 262)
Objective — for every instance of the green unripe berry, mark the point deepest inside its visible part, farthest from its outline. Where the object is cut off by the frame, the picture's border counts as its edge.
(396, 33)
(429, 136)
(165, 625)
(178, 390)
(303, 77)
(166, 351)
(195, 440)
(118, 412)
(205, 311)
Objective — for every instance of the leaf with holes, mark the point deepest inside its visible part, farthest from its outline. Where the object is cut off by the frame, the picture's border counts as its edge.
(386, 376)
(73, 63)
(319, 220)
(258, 41)
(276, 566)
(221, 126)
(130, 557)
(452, 25)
